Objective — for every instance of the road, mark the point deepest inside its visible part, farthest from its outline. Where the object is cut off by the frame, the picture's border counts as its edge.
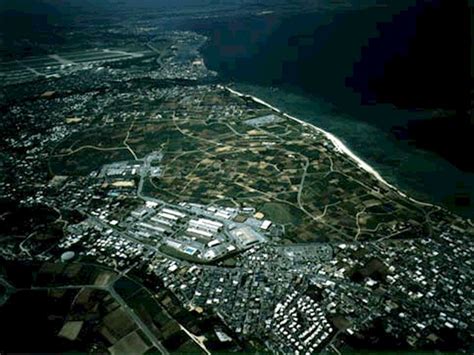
(303, 177)
(130, 312)
(154, 249)
(22, 246)
(126, 144)
(145, 329)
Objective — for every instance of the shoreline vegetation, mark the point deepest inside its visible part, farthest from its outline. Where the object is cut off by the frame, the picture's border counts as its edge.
(340, 146)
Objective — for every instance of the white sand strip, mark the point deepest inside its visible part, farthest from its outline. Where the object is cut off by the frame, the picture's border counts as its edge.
(337, 143)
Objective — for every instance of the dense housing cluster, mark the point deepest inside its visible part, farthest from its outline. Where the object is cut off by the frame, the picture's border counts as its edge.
(233, 227)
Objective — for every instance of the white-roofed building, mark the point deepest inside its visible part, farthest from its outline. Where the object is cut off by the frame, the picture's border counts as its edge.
(173, 212)
(266, 224)
(169, 216)
(199, 232)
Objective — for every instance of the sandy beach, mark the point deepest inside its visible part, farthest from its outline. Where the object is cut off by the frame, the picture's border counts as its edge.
(338, 144)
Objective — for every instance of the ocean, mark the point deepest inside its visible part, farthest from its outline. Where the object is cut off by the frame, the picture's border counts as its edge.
(301, 63)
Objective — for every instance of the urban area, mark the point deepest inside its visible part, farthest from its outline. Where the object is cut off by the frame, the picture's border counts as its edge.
(147, 207)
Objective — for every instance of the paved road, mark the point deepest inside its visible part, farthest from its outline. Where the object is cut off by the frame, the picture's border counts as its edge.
(145, 329)
(109, 288)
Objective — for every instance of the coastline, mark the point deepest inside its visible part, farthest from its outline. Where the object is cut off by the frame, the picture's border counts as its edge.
(338, 144)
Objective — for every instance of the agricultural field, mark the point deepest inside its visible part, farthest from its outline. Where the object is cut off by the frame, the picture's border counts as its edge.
(246, 156)
(88, 308)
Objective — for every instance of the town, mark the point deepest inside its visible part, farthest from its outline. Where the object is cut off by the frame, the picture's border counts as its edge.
(167, 214)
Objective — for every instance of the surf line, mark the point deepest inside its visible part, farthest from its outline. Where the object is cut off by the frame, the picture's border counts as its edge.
(338, 144)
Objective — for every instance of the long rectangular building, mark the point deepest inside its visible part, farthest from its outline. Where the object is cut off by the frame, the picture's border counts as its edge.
(211, 222)
(199, 232)
(173, 212)
(159, 220)
(223, 214)
(201, 226)
(206, 224)
(152, 227)
(168, 216)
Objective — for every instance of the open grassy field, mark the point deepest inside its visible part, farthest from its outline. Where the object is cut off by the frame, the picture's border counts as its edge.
(290, 172)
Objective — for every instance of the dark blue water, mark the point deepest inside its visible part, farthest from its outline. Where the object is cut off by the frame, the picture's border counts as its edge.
(301, 64)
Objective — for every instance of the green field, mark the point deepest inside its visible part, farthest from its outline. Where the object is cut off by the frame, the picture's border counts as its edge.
(288, 171)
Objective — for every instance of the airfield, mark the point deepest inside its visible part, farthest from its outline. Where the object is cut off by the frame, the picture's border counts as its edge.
(55, 65)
